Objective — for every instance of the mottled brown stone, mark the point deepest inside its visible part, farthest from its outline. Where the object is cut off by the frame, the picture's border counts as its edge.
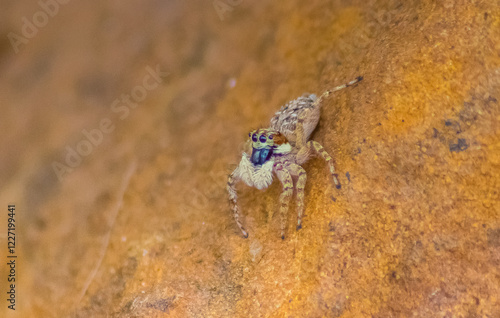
(142, 226)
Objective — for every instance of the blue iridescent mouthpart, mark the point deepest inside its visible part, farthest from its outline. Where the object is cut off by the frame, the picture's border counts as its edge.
(264, 154)
(261, 156)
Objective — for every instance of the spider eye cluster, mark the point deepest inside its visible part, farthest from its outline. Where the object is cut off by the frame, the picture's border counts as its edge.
(262, 138)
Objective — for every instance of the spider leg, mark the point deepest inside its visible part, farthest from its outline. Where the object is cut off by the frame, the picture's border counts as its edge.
(301, 175)
(231, 189)
(287, 182)
(318, 149)
(304, 152)
(338, 88)
(306, 122)
(299, 130)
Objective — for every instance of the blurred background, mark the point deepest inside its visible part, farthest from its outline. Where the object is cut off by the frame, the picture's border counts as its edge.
(121, 121)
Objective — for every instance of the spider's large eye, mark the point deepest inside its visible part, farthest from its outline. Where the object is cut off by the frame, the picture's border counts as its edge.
(254, 138)
(262, 138)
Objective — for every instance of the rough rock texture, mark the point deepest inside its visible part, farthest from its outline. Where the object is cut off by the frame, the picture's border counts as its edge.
(142, 227)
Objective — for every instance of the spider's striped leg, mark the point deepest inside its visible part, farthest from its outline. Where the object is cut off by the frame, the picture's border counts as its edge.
(322, 152)
(299, 130)
(286, 180)
(338, 88)
(298, 171)
(231, 189)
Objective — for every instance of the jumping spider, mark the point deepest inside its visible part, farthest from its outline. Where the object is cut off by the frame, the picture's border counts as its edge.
(283, 148)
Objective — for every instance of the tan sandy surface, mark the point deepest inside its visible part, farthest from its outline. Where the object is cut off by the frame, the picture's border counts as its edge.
(142, 226)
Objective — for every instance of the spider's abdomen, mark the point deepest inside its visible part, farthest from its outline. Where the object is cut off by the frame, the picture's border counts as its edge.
(285, 120)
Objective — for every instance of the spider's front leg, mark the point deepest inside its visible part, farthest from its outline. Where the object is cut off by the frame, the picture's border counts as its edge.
(233, 196)
(287, 182)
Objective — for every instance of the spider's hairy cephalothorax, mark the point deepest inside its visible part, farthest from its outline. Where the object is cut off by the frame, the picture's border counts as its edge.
(265, 143)
(282, 149)
(256, 169)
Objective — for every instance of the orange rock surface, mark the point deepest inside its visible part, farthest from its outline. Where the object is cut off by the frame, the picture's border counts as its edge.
(142, 227)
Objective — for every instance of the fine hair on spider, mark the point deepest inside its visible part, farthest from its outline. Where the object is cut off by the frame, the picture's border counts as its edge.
(281, 150)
